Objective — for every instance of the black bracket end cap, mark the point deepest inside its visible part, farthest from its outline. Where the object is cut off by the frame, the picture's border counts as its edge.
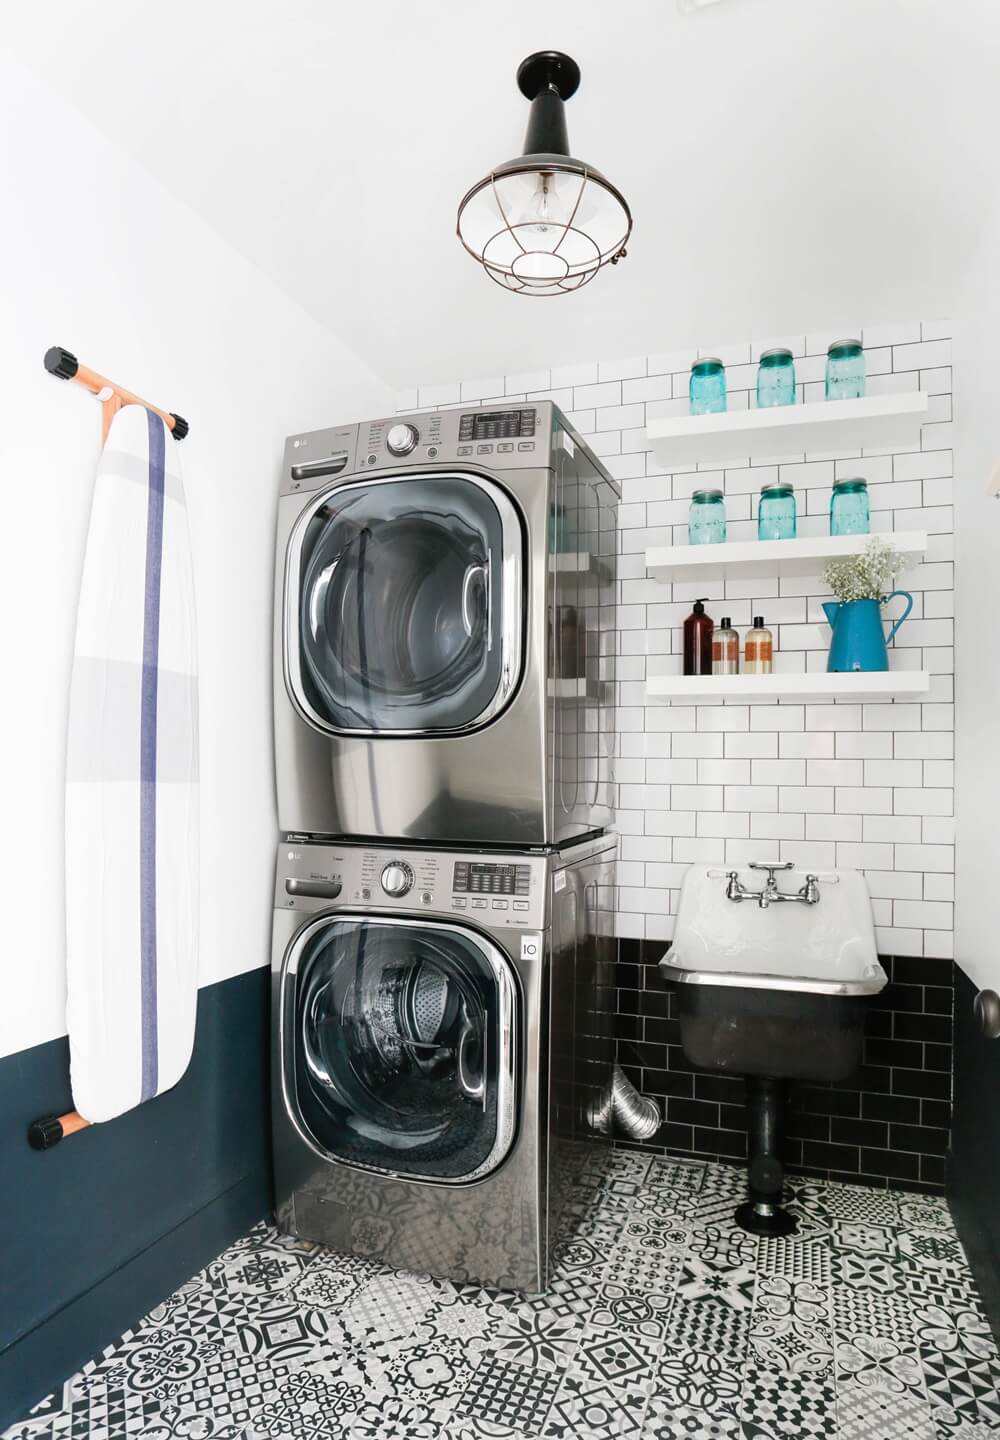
(44, 1133)
(181, 426)
(61, 362)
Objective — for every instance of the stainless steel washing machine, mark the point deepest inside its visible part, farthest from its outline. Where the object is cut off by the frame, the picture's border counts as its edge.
(442, 1049)
(445, 630)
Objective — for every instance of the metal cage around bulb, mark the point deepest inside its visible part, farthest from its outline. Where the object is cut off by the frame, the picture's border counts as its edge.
(545, 223)
(528, 249)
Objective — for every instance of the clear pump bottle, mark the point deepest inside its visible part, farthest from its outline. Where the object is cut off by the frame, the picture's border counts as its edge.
(725, 649)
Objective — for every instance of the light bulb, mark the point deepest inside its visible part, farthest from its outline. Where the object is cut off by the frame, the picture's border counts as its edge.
(537, 213)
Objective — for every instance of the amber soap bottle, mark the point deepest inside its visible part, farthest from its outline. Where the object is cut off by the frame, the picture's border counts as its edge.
(698, 628)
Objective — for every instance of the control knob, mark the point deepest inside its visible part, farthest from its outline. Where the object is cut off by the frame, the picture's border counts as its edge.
(397, 878)
(401, 439)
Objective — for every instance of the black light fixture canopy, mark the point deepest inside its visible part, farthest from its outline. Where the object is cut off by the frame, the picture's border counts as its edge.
(545, 223)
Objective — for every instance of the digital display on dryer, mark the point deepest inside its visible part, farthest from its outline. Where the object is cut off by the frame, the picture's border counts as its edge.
(490, 879)
(497, 425)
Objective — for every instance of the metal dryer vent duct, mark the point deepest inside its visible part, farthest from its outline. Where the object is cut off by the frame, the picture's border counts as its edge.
(636, 1116)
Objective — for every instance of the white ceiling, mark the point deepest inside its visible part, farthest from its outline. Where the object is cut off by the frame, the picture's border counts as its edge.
(788, 162)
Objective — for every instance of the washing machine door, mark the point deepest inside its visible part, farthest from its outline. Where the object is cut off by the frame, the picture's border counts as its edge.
(398, 1043)
(403, 606)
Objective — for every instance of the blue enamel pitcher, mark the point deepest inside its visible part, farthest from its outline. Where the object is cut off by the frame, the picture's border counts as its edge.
(859, 641)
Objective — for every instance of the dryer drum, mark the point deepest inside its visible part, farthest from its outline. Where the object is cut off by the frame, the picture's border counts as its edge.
(396, 604)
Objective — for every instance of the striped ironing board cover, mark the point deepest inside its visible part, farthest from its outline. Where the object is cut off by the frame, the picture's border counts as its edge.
(132, 782)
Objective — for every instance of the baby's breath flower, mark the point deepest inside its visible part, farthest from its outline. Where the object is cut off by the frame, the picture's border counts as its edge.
(868, 576)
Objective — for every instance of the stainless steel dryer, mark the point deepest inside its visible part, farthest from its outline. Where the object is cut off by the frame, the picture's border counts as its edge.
(445, 630)
(442, 1050)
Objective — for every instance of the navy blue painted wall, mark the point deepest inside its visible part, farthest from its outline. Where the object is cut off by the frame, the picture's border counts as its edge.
(974, 1169)
(102, 1227)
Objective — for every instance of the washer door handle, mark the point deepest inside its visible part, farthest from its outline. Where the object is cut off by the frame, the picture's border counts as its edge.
(483, 569)
(474, 1089)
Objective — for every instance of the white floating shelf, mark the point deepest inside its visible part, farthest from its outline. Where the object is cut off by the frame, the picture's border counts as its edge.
(813, 685)
(577, 562)
(576, 689)
(875, 421)
(751, 558)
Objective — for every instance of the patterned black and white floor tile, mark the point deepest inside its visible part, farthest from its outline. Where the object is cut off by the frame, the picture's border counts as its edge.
(662, 1321)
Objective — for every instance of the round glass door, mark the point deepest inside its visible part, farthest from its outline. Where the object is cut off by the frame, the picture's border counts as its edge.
(405, 597)
(398, 1047)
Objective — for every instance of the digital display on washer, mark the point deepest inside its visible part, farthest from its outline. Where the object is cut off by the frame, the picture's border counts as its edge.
(488, 879)
(497, 425)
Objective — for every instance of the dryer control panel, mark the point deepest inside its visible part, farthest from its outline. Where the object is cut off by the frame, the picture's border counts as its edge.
(494, 890)
(490, 437)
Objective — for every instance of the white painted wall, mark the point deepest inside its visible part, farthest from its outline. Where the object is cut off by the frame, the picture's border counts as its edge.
(96, 256)
(977, 594)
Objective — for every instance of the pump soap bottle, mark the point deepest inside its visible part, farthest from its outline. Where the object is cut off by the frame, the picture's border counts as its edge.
(758, 649)
(725, 649)
(698, 629)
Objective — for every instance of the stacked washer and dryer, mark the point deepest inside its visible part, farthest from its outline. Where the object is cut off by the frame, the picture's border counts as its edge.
(443, 957)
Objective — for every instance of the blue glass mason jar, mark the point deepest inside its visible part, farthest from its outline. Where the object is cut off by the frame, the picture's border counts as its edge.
(707, 518)
(776, 516)
(845, 370)
(707, 386)
(849, 510)
(776, 378)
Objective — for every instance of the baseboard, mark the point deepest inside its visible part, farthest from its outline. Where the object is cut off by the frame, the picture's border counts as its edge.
(38, 1363)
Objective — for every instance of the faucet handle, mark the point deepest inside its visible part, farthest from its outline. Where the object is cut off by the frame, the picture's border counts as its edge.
(771, 866)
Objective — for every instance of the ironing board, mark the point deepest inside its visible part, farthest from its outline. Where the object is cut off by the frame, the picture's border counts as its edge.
(132, 782)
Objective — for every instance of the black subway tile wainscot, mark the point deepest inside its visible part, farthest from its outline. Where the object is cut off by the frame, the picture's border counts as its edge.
(887, 1125)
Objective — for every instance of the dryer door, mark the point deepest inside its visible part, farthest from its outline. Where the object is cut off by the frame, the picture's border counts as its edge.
(403, 606)
(398, 1046)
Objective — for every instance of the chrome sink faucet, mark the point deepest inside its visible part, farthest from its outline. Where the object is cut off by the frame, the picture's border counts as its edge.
(769, 893)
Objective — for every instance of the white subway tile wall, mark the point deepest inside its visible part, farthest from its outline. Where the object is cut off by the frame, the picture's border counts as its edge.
(868, 786)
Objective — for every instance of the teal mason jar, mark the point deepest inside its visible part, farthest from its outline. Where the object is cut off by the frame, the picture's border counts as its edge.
(849, 510)
(845, 370)
(776, 378)
(707, 386)
(776, 516)
(707, 518)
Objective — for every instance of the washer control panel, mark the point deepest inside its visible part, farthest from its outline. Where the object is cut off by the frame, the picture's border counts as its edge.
(494, 890)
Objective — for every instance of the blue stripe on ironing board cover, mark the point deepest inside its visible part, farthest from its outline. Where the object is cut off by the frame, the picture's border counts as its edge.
(147, 752)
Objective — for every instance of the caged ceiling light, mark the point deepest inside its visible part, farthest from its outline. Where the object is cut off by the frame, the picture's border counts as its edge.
(544, 224)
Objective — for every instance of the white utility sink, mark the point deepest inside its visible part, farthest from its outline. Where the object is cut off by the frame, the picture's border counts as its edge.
(773, 993)
(823, 949)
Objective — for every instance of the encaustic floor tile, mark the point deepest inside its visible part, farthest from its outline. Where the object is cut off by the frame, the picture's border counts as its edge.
(663, 1320)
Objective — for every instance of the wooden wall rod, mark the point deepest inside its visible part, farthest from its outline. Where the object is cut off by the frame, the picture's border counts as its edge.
(63, 364)
(50, 1129)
